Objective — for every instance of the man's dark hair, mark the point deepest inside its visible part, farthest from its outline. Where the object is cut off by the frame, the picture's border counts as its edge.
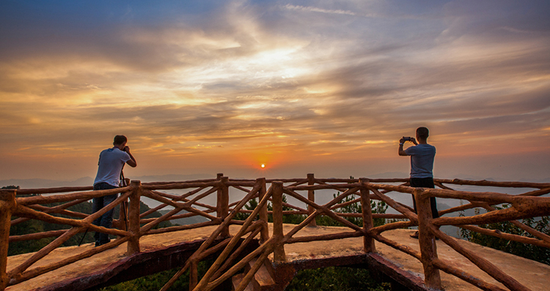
(119, 139)
(422, 132)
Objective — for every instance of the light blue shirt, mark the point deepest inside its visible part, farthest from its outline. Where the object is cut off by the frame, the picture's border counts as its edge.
(422, 160)
(110, 165)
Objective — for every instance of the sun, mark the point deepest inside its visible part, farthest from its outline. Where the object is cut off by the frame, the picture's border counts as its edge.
(262, 165)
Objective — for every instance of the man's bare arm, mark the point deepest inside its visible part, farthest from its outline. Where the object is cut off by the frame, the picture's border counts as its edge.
(132, 162)
(401, 151)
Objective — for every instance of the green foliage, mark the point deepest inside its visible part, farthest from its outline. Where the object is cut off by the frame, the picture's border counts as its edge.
(356, 207)
(376, 207)
(336, 278)
(287, 218)
(157, 281)
(528, 251)
(331, 278)
(29, 226)
(251, 205)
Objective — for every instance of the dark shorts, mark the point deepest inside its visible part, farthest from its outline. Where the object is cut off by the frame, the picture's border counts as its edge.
(425, 183)
(422, 182)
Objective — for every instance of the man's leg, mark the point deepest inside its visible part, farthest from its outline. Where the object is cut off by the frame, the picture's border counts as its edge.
(96, 206)
(433, 204)
(424, 183)
(106, 219)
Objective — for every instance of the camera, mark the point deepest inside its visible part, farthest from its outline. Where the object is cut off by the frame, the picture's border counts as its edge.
(407, 138)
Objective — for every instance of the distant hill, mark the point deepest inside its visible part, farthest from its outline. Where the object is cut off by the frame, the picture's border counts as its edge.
(44, 183)
(173, 177)
(88, 181)
(185, 221)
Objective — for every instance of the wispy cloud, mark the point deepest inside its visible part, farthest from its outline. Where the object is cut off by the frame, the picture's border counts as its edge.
(240, 79)
(320, 10)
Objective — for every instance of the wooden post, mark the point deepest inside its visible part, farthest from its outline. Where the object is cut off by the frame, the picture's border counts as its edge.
(279, 253)
(193, 275)
(311, 197)
(133, 217)
(426, 240)
(7, 206)
(264, 234)
(368, 241)
(223, 203)
(122, 222)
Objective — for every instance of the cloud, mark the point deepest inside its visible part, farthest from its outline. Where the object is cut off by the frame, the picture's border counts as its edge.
(243, 77)
(315, 9)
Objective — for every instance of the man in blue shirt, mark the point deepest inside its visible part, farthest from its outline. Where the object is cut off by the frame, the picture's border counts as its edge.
(111, 162)
(422, 161)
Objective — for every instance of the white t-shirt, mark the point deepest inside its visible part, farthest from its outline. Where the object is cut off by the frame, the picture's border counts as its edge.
(110, 165)
(422, 160)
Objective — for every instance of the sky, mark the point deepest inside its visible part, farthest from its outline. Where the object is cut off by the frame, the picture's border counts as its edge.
(323, 87)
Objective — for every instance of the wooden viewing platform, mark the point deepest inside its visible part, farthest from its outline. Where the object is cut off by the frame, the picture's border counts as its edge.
(94, 271)
(271, 253)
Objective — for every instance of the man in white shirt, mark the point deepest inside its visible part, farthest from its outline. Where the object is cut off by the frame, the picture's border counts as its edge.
(111, 162)
(422, 161)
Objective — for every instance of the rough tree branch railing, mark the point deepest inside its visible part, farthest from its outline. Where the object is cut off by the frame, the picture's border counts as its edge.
(15, 209)
(428, 227)
(30, 208)
(522, 207)
(259, 186)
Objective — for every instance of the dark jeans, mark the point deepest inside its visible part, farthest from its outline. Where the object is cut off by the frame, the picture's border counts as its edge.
(425, 183)
(105, 220)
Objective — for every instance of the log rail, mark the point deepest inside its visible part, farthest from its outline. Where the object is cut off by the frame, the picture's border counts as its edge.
(16, 207)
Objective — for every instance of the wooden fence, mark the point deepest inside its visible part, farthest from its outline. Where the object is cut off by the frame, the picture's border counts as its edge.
(15, 209)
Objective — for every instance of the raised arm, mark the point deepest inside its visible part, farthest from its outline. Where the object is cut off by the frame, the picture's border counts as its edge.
(401, 151)
(132, 162)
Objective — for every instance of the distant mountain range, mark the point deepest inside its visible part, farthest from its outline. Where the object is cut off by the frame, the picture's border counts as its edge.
(84, 181)
(185, 221)
(88, 181)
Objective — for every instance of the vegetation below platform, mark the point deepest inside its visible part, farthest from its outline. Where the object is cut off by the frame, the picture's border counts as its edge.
(336, 278)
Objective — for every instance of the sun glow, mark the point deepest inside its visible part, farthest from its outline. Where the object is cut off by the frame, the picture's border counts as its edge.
(262, 165)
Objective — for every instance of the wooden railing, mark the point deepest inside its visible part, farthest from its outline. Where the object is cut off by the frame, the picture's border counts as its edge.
(15, 209)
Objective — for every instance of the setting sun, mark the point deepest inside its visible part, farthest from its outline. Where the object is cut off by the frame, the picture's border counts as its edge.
(263, 166)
